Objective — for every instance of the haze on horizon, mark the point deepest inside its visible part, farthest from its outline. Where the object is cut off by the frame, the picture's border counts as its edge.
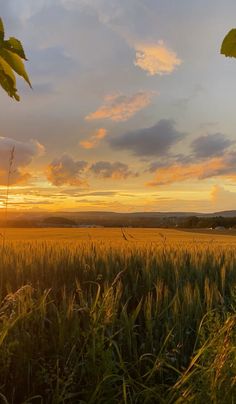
(132, 107)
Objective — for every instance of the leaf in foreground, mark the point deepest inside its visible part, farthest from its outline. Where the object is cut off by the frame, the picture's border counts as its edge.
(11, 60)
(228, 47)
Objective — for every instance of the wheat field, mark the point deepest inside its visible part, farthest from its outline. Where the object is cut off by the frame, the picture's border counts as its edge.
(135, 235)
(117, 316)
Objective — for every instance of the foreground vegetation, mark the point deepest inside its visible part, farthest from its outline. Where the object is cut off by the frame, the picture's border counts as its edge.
(125, 322)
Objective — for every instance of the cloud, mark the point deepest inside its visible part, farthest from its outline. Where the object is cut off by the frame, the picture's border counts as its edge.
(121, 107)
(23, 154)
(156, 58)
(224, 166)
(31, 202)
(65, 170)
(98, 193)
(222, 198)
(179, 172)
(210, 145)
(204, 147)
(116, 170)
(94, 139)
(153, 141)
(169, 160)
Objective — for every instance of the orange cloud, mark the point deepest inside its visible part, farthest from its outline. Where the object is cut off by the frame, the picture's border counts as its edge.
(156, 58)
(65, 170)
(183, 172)
(94, 139)
(222, 198)
(116, 170)
(121, 107)
(22, 153)
(16, 177)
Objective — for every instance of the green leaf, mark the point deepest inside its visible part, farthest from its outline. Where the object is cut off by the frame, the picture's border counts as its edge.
(6, 84)
(15, 46)
(7, 70)
(1, 30)
(228, 47)
(11, 55)
(15, 62)
(8, 80)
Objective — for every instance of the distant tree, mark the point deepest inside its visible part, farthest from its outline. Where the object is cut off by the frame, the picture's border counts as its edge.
(55, 220)
(11, 60)
(192, 221)
(228, 47)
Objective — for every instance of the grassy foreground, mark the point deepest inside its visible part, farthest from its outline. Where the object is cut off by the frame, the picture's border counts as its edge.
(133, 320)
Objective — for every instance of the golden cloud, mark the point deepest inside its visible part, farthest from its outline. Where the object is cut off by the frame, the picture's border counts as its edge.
(94, 139)
(66, 171)
(156, 58)
(16, 177)
(222, 198)
(115, 170)
(120, 107)
(15, 157)
(183, 172)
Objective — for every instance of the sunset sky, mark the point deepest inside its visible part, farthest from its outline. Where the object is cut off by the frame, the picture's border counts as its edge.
(132, 108)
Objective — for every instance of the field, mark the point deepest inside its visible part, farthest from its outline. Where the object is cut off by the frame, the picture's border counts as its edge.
(117, 316)
(115, 235)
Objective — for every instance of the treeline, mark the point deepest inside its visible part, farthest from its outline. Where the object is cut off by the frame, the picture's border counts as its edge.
(127, 221)
(208, 222)
(150, 221)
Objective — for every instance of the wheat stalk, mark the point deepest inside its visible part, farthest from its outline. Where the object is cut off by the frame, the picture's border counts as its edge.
(10, 171)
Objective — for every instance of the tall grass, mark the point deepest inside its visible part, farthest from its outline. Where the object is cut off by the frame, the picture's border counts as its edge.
(6, 202)
(97, 323)
(3, 232)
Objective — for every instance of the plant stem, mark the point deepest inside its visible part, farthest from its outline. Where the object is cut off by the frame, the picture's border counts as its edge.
(11, 160)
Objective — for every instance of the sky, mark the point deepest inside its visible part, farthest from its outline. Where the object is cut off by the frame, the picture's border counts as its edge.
(132, 107)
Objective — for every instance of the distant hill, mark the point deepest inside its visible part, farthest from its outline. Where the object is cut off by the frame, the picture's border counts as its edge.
(225, 213)
(55, 220)
(117, 219)
(101, 214)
